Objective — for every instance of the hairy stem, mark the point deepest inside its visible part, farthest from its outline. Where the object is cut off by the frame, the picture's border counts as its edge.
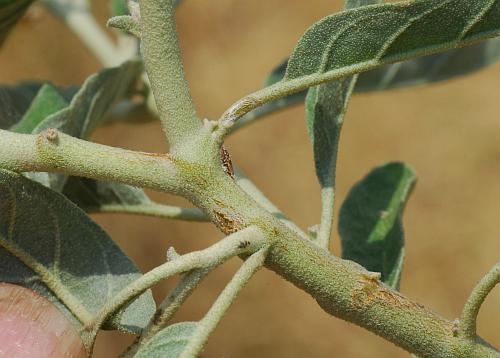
(467, 324)
(342, 288)
(162, 58)
(155, 210)
(53, 151)
(168, 308)
(230, 246)
(288, 87)
(325, 226)
(208, 324)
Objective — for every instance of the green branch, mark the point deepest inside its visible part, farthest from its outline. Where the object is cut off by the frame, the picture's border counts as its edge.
(172, 303)
(244, 241)
(53, 151)
(467, 323)
(154, 210)
(341, 287)
(208, 324)
(162, 58)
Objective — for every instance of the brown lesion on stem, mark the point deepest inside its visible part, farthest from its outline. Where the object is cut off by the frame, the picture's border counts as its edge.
(371, 290)
(228, 223)
(227, 164)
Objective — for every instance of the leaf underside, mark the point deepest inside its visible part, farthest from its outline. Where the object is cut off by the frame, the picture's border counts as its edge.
(90, 195)
(326, 106)
(169, 342)
(325, 109)
(87, 109)
(370, 220)
(51, 246)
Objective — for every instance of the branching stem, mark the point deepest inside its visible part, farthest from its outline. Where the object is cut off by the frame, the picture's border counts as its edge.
(467, 323)
(168, 308)
(208, 324)
(211, 257)
(287, 87)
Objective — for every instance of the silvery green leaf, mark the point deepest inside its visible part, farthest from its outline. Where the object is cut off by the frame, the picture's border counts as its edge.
(91, 195)
(419, 71)
(370, 222)
(47, 101)
(430, 69)
(325, 109)
(370, 36)
(88, 108)
(96, 96)
(169, 342)
(16, 99)
(51, 246)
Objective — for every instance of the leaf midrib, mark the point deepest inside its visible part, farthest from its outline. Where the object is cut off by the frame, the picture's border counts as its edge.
(51, 280)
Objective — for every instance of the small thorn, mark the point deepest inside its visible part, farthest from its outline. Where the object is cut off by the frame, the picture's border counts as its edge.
(172, 254)
(456, 324)
(313, 231)
(372, 276)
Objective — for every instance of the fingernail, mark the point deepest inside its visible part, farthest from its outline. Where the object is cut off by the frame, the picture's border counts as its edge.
(31, 326)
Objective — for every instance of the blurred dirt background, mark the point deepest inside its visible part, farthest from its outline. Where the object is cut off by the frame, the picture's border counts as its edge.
(449, 132)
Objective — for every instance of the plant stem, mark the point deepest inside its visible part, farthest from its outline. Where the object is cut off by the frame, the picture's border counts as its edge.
(208, 324)
(53, 151)
(162, 58)
(467, 323)
(341, 287)
(77, 16)
(288, 87)
(168, 308)
(155, 210)
(213, 256)
(267, 109)
(326, 223)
